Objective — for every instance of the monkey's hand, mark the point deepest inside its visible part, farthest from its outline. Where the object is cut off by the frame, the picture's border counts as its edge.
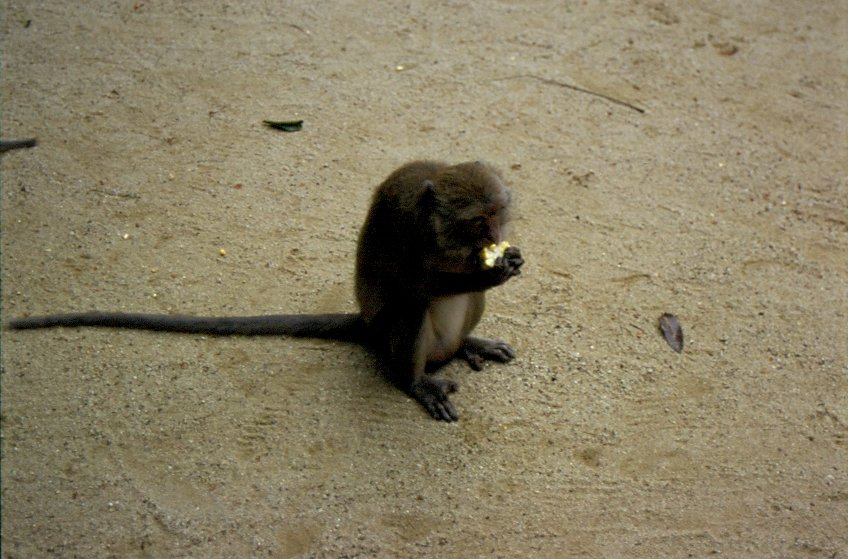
(505, 267)
(432, 393)
(490, 254)
(512, 261)
(477, 276)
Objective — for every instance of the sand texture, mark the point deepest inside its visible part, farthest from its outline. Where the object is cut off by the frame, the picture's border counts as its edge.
(683, 157)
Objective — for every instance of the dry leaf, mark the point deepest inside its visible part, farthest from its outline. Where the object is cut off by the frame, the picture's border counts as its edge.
(673, 332)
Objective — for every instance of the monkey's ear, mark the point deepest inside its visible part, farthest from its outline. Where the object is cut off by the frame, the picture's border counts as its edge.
(427, 200)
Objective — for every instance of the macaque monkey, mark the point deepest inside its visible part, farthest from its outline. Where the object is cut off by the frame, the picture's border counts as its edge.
(420, 282)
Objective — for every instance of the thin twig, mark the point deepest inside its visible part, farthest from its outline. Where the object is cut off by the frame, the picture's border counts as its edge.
(575, 88)
(116, 194)
(299, 28)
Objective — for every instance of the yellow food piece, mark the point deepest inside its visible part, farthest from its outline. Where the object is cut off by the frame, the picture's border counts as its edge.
(491, 253)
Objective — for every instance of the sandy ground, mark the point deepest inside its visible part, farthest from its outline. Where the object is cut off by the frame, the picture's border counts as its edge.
(665, 158)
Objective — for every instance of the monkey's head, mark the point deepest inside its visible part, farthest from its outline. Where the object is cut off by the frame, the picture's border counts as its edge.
(468, 207)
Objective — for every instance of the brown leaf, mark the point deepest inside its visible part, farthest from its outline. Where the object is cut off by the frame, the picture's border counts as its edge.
(672, 331)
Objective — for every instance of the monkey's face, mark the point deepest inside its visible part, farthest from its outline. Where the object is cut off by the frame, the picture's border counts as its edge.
(467, 208)
(480, 225)
(461, 230)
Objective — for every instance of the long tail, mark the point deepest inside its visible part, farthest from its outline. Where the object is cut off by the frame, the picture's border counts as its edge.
(7, 145)
(344, 327)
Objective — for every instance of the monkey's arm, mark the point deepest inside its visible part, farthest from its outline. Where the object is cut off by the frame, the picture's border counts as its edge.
(440, 283)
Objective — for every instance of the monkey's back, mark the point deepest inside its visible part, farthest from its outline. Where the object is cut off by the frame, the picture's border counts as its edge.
(391, 242)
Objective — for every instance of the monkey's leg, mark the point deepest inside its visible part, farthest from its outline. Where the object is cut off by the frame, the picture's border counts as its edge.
(410, 336)
(477, 350)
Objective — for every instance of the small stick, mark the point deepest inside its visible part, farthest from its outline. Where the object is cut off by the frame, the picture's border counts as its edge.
(576, 88)
(116, 194)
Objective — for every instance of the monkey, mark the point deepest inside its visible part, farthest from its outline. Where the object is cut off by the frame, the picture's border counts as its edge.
(419, 280)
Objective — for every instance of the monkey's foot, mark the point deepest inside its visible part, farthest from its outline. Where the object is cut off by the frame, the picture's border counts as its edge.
(432, 393)
(477, 350)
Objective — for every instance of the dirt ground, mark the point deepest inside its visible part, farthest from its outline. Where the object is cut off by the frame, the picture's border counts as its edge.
(681, 157)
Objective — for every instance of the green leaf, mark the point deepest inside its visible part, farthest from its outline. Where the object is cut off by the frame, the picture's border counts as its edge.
(284, 125)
